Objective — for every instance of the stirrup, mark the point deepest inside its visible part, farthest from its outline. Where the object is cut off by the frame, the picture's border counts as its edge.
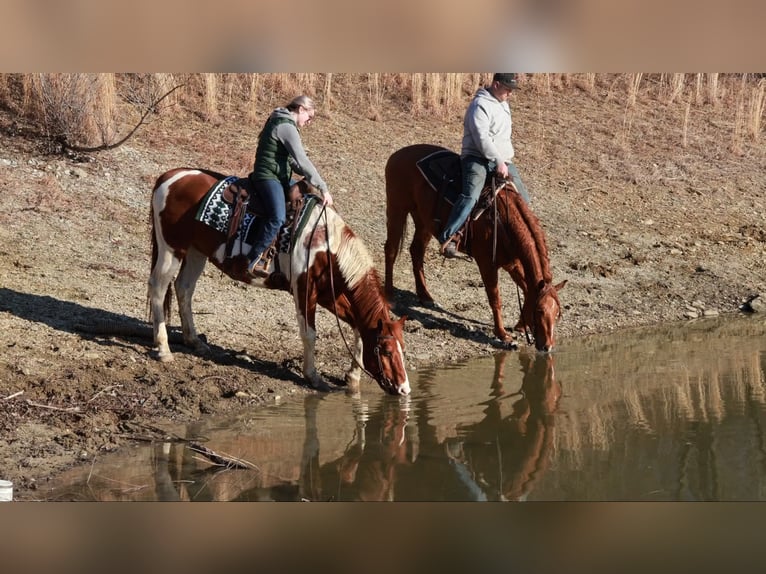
(259, 267)
(449, 249)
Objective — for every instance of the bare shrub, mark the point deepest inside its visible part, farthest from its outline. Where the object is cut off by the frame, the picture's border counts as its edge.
(634, 83)
(73, 107)
(211, 96)
(327, 92)
(416, 93)
(676, 87)
(375, 94)
(256, 87)
(755, 109)
(685, 128)
(712, 89)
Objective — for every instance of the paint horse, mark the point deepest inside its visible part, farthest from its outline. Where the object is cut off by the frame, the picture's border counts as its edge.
(324, 262)
(507, 235)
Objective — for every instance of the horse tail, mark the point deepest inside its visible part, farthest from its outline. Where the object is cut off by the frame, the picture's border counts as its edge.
(155, 255)
(396, 223)
(400, 247)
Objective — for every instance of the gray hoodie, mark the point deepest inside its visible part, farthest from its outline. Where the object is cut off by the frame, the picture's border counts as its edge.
(487, 128)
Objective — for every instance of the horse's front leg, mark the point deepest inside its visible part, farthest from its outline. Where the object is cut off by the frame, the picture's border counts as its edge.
(516, 271)
(185, 283)
(354, 374)
(490, 278)
(306, 312)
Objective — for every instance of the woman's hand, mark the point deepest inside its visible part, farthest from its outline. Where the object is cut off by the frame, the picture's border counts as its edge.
(327, 199)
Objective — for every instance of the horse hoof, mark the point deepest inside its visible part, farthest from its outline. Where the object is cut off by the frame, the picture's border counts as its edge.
(319, 385)
(165, 358)
(198, 347)
(352, 381)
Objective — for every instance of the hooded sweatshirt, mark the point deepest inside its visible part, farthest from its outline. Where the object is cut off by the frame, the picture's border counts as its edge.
(487, 128)
(280, 152)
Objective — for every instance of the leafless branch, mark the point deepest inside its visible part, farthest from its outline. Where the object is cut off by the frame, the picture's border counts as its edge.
(105, 147)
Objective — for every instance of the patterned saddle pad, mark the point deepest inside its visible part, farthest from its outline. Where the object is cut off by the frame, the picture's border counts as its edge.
(215, 212)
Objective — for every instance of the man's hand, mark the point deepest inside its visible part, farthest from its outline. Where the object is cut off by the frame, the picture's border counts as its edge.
(502, 169)
(327, 198)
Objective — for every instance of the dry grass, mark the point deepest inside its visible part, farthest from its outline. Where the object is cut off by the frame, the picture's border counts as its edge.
(756, 101)
(83, 107)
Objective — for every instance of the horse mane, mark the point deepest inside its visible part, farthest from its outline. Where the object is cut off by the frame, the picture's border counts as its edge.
(357, 268)
(529, 234)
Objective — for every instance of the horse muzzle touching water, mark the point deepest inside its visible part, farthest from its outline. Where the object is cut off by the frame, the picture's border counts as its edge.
(325, 264)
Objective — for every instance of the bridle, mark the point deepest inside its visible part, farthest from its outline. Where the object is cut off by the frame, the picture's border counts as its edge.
(383, 381)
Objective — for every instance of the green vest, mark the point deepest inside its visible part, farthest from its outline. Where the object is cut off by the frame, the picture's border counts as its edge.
(270, 155)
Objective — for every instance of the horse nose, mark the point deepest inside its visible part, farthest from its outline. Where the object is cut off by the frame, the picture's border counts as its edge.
(404, 390)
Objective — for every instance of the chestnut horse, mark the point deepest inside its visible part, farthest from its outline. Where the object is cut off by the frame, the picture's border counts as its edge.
(325, 263)
(507, 236)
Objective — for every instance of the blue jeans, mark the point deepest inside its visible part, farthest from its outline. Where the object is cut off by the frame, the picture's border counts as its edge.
(271, 196)
(475, 172)
(514, 173)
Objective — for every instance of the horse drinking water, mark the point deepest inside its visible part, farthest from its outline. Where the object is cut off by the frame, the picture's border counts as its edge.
(325, 263)
(506, 235)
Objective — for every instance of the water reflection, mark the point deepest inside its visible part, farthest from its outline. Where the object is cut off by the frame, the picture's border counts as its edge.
(673, 413)
(503, 455)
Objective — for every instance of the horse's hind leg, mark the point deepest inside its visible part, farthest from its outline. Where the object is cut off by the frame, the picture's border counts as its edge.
(159, 281)
(418, 254)
(185, 283)
(396, 224)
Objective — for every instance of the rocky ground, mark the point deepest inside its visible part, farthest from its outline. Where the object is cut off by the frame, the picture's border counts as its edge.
(645, 230)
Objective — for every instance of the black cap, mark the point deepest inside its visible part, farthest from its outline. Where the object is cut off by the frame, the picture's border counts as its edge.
(507, 79)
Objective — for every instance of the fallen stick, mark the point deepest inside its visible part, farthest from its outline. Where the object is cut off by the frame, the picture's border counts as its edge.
(222, 459)
(52, 408)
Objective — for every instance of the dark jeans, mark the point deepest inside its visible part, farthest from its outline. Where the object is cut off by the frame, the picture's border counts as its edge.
(475, 172)
(271, 196)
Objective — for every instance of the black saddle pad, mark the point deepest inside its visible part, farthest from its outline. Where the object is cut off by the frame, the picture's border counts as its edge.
(443, 173)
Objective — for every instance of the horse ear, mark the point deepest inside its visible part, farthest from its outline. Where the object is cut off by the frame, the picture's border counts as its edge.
(561, 285)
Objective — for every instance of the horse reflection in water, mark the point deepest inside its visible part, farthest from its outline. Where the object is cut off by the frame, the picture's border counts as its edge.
(382, 445)
(502, 457)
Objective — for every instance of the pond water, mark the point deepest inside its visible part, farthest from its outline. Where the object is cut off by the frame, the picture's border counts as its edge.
(673, 413)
